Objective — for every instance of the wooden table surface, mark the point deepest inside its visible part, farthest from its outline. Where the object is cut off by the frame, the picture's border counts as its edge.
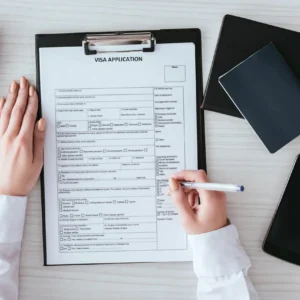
(234, 152)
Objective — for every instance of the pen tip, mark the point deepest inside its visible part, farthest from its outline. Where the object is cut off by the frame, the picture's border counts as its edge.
(242, 188)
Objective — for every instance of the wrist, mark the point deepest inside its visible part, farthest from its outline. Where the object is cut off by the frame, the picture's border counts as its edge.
(10, 194)
(201, 228)
(13, 193)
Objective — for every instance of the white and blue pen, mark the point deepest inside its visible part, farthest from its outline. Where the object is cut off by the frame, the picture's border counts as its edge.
(213, 186)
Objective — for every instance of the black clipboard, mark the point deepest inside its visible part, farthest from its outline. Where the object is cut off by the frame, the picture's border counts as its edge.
(162, 36)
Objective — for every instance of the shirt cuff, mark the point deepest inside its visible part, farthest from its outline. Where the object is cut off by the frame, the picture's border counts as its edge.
(218, 253)
(12, 218)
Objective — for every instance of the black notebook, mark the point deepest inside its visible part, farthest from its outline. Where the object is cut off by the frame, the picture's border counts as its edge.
(239, 38)
(267, 93)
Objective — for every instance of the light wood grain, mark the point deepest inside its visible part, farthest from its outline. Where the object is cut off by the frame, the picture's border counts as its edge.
(234, 153)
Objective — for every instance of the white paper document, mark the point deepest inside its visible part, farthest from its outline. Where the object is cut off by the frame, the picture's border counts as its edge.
(118, 125)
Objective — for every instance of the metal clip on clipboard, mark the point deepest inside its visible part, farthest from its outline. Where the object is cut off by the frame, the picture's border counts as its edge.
(118, 42)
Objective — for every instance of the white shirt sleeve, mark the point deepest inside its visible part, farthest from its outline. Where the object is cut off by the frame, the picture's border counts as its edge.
(12, 217)
(221, 265)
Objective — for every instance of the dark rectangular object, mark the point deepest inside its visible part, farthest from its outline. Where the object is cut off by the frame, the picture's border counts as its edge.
(282, 239)
(239, 38)
(267, 93)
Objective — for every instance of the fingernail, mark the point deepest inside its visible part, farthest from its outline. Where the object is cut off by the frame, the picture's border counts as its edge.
(173, 184)
(31, 91)
(174, 175)
(23, 82)
(42, 125)
(13, 87)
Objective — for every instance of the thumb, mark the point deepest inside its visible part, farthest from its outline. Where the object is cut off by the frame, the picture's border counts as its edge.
(180, 200)
(2, 102)
(38, 142)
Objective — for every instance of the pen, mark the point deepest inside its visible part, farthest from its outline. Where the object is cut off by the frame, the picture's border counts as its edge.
(213, 186)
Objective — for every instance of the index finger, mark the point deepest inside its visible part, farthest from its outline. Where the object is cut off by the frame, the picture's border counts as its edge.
(196, 176)
(189, 175)
(19, 108)
(30, 114)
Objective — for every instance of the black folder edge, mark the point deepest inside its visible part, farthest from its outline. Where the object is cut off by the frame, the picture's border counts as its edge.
(163, 36)
(205, 105)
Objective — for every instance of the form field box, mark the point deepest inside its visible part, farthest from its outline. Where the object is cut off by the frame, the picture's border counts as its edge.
(69, 93)
(175, 74)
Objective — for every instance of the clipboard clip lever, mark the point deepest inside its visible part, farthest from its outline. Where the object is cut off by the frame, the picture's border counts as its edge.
(118, 42)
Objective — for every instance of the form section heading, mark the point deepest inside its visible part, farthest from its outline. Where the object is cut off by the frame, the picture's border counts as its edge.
(118, 59)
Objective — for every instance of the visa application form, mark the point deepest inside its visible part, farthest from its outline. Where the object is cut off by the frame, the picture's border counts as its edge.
(119, 124)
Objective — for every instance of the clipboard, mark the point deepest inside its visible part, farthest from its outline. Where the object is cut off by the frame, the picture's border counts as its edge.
(133, 41)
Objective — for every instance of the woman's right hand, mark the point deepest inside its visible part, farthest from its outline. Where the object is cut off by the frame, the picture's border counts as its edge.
(197, 218)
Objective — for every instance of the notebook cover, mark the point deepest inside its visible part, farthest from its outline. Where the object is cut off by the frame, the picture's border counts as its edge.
(267, 93)
(238, 39)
